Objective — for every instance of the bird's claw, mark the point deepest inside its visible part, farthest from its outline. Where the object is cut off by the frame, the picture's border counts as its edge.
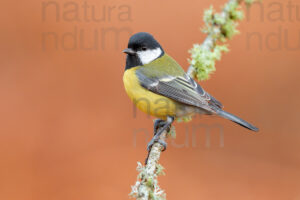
(154, 140)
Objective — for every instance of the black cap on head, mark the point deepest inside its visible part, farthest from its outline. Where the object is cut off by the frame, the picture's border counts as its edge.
(142, 39)
(140, 42)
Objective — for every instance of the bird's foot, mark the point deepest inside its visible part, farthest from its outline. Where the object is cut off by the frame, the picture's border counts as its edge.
(150, 145)
(159, 127)
(159, 123)
(154, 140)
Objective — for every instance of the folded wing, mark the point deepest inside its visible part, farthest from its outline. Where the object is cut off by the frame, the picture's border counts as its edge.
(180, 88)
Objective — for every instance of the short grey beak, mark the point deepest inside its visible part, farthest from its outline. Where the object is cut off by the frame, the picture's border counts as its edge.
(129, 51)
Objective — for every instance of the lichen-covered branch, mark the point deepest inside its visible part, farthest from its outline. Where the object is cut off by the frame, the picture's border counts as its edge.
(147, 186)
(219, 27)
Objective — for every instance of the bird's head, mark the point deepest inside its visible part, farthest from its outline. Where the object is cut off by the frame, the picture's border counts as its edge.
(142, 49)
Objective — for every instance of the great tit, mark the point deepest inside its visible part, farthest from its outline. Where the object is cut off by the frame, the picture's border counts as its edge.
(158, 85)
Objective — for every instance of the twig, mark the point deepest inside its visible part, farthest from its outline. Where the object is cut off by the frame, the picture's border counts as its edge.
(219, 27)
(211, 39)
(147, 186)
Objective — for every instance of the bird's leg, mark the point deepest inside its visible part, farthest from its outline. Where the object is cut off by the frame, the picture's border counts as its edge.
(157, 123)
(159, 127)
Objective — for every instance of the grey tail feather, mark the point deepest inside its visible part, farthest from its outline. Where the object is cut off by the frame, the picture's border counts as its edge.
(237, 120)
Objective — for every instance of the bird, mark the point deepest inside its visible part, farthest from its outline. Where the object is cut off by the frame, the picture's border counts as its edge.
(159, 86)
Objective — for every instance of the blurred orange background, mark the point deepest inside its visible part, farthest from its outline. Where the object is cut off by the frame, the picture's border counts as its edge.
(68, 128)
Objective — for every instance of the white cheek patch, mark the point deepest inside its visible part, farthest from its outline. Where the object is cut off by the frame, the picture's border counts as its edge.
(149, 55)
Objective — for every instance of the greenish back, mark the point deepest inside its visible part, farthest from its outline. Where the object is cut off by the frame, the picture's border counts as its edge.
(162, 66)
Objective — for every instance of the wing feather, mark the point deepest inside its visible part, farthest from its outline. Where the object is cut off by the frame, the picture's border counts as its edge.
(180, 88)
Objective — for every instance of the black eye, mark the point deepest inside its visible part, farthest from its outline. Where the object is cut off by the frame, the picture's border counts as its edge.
(144, 48)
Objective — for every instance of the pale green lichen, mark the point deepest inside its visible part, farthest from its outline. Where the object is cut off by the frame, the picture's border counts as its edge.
(220, 27)
(184, 119)
(150, 181)
(204, 61)
(160, 170)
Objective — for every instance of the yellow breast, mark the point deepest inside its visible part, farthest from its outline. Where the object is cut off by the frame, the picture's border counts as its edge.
(147, 101)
